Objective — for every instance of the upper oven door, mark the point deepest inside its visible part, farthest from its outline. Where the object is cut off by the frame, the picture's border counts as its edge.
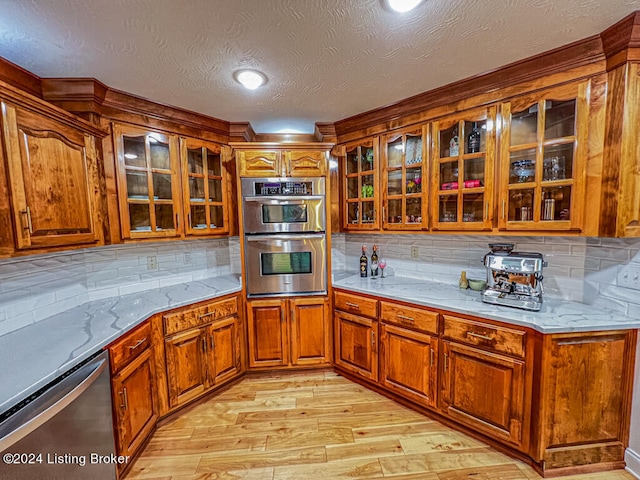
(284, 214)
(286, 264)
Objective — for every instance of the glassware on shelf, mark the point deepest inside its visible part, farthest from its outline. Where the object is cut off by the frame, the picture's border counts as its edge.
(382, 263)
(524, 169)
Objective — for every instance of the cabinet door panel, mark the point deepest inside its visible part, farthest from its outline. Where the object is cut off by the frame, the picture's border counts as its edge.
(305, 164)
(186, 368)
(355, 344)
(484, 390)
(268, 340)
(134, 398)
(408, 363)
(224, 355)
(309, 332)
(259, 163)
(51, 169)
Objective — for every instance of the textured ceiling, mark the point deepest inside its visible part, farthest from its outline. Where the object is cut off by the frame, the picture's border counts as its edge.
(325, 59)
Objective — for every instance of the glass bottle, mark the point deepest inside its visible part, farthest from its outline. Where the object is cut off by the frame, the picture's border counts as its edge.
(374, 262)
(364, 262)
(473, 139)
(454, 145)
(463, 283)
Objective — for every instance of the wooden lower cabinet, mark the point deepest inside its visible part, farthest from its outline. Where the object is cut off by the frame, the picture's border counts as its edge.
(585, 383)
(288, 332)
(356, 344)
(408, 363)
(186, 365)
(225, 354)
(485, 391)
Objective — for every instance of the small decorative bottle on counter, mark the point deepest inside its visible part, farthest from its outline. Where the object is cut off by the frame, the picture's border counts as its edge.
(364, 262)
(463, 283)
(374, 262)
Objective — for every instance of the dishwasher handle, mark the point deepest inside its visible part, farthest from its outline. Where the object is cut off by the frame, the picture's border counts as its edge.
(82, 384)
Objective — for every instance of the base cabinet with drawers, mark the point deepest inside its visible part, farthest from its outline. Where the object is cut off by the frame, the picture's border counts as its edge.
(134, 389)
(288, 332)
(562, 400)
(202, 350)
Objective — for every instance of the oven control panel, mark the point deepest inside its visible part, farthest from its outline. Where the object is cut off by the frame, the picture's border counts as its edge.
(283, 188)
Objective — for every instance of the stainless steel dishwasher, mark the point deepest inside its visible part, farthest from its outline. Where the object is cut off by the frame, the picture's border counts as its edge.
(64, 432)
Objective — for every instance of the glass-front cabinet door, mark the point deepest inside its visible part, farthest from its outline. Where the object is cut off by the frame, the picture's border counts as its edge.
(148, 183)
(203, 186)
(361, 192)
(463, 155)
(542, 166)
(404, 185)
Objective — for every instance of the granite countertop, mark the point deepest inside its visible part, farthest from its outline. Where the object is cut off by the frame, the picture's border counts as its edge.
(33, 356)
(556, 316)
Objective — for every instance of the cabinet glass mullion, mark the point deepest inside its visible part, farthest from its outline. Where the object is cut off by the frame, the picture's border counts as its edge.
(205, 182)
(360, 186)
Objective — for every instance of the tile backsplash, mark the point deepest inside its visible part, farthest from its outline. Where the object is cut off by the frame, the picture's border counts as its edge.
(582, 269)
(36, 287)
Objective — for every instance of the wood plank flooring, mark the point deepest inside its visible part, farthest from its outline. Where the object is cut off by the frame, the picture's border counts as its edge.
(318, 425)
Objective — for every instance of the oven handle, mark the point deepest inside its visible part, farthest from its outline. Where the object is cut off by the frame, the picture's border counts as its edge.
(291, 236)
(32, 424)
(290, 200)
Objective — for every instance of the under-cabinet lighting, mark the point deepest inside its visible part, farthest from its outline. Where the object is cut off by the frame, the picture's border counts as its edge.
(250, 79)
(402, 6)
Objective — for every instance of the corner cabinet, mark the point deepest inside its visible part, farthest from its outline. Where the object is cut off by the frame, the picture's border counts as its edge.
(463, 152)
(169, 186)
(288, 332)
(361, 190)
(54, 177)
(543, 160)
(405, 180)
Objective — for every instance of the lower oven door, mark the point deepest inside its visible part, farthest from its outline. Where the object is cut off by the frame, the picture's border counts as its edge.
(286, 264)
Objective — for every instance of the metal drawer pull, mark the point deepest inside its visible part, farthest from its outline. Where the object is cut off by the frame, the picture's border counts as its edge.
(352, 305)
(29, 226)
(204, 345)
(431, 357)
(408, 319)
(124, 399)
(373, 338)
(477, 335)
(138, 343)
(446, 362)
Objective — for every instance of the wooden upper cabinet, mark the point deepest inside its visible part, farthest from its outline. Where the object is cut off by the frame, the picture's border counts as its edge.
(543, 160)
(148, 182)
(204, 186)
(404, 180)
(259, 163)
(361, 189)
(463, 152)
(300, 163)
(53, 175)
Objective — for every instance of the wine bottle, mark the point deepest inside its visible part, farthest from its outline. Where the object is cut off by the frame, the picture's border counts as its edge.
(374, 262)
(364, 262)
(473, 139)
(454, 149)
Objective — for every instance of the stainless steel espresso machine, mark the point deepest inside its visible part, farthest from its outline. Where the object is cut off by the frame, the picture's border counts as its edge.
(514, 279)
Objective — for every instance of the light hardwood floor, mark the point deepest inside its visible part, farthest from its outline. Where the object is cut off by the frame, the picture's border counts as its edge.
(318, 425)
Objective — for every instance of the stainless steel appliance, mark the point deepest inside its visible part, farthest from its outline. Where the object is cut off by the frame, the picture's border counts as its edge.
(514, 279)
(65, 432)
(285, 245)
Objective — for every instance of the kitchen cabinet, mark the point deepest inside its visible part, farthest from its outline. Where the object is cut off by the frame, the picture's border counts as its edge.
(53, 175)
(361, 191)
(169, 186)
(264, 159)
(288, 332)
(405, 180)
(202, 346)
(133, 389)
(356, 335)
(204, 188)
(543, 158)
(585, 383)
(483, 381)
(463, 152)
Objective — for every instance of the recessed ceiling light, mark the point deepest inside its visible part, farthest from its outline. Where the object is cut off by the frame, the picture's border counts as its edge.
(250, 79)
(402, 6)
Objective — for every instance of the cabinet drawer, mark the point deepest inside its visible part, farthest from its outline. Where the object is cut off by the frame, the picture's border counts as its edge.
(493, 337)
(129, 347)
(409, 317)
(355, 304)
(176, 322)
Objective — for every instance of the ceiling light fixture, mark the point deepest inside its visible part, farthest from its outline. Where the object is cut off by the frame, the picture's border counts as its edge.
(402, 6)
(250, 79)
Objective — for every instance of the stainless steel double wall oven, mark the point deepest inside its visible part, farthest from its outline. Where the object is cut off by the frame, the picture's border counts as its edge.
(285, 241)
